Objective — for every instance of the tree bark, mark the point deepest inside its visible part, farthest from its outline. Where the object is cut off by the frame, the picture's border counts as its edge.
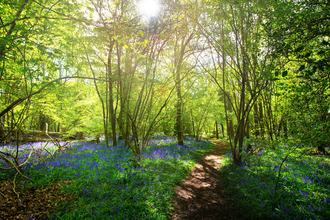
(262, 131)
(216, 130)
(111, 99)
(256, 120)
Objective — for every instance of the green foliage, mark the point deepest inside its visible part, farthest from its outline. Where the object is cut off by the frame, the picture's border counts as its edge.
(301, 191)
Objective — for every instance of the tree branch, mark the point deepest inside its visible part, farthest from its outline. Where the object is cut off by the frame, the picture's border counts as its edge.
(22, 99)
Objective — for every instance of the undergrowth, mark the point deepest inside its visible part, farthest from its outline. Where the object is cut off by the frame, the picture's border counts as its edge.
(301, 189)
(106, 186)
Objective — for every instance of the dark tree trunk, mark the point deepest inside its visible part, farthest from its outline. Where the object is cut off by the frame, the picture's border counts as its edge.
(256, 120)
(193, 123)
(247, 132)
(285, 127)
(216, 130)
(230, 127)
(262, 131)
(111, 99)
(42, 121)
(2, 131)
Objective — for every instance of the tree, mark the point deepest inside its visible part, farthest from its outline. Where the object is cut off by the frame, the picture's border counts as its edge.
(299, 36)
(234, 34)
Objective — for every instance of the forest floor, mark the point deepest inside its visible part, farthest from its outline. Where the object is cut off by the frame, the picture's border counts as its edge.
(202, 194)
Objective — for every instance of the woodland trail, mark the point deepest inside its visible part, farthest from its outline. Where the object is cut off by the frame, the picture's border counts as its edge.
(201, 195)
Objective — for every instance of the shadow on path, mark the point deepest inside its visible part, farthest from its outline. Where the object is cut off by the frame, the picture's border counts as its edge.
(201, 195)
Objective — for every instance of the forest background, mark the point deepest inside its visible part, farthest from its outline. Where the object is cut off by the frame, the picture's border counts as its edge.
(244, 69)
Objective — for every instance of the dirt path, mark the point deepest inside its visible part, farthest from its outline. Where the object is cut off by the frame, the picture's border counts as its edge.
(201, 195)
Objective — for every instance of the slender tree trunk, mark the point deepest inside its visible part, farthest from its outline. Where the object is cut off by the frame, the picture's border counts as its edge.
(229, 122)
(262, 131)
(105, 119)
(230, 126)
(256, 120)
(179, 111)
(111, 99)
(42, 121)
(247, 132)
(242, 116)
(193, 123)
(2, 131)
(216, 130)
(120, 91)
(178, 63)
(285, 127)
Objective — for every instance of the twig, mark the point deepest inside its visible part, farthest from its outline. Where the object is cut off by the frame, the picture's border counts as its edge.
(4, 158)
(15, 190)
(4, 196)
(16, 167)
(56, 142)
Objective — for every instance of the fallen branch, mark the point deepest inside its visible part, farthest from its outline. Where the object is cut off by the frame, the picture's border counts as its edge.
(15, 190)
(15, 167)
(8, 161)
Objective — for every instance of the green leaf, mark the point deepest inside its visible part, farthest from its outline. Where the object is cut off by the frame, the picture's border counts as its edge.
(147, 41)
(276, 73)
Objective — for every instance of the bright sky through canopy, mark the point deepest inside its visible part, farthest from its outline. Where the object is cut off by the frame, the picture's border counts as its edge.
(149, 8)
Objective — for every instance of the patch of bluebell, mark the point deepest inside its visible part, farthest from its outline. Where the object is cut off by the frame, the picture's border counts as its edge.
(109, 187)
(303, 189)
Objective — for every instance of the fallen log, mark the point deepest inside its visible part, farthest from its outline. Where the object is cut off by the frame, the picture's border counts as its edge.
(37, 133)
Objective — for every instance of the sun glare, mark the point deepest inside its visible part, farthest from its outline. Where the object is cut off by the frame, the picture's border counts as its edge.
(149, 8)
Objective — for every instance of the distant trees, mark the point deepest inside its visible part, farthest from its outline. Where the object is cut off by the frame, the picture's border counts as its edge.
(246, 68)
(237, 65)
(299, 35)
(31, 53)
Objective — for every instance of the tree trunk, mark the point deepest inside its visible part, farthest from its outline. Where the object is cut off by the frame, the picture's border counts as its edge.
(256, 120)
(192, 122)
(216, 130)
(2, 131)
(230, 126)
(285, 127)
(262, 131)
(179, 129)
(111, 99)
(42, 121)
(247, 132)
